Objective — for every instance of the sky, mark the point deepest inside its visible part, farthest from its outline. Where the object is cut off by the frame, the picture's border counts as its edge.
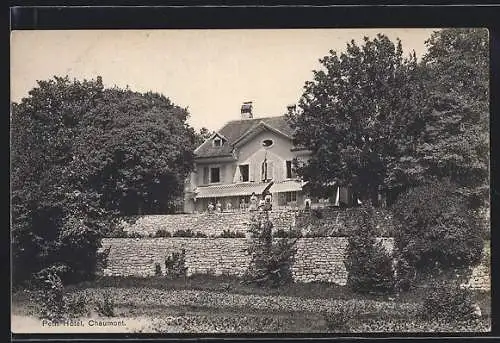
(210, 72)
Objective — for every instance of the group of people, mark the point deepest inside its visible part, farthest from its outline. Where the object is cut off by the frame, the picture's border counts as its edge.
(255, 204)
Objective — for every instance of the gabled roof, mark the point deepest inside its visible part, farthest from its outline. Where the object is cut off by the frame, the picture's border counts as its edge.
(236, 129)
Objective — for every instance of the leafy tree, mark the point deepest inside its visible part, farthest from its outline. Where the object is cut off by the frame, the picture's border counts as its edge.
(359, 117)
(441, 226)
(455, 139)
(369, 265)
(373, 118)
(43, 127)
(81, 155)
(436, 233)
(203, 135)
(145, 151)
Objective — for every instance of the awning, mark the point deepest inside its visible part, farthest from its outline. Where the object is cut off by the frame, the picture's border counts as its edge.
(287, 186)
(231, 190)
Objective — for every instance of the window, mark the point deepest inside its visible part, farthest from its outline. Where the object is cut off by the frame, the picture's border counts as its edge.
(263, 172)
(267, 170)
(214, 175)
(244, 172)
(290, 172)
(290, 196)
(217, 141)
(288, 169)
(266, 143)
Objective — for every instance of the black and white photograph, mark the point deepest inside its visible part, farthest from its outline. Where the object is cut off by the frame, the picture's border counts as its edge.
(246, 181)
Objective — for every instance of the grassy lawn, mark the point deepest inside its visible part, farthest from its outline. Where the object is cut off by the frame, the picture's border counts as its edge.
(222, 304)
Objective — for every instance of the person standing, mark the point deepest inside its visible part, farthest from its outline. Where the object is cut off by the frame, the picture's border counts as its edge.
(210, 207)
(243, 205)
(268, 205)
(307, 203)
(253, 202)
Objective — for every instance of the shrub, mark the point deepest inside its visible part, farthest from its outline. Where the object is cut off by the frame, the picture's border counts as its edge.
(157, 269)
(102, 258)
(49, 293)
(162, 233)
(339, 318)
(120, 233)
(316, 212)
(270, 261)
(188, 233)
(449, 302)
(175, 264)
(292, 233)
(183, 233)
(134, 235)
(436, 231)
(406, 274)
(231, 234)
(369, 265)
(105, 305)
(77, 305)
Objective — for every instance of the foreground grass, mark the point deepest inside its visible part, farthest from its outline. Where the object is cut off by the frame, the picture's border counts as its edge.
(233, 284)
(222, 304)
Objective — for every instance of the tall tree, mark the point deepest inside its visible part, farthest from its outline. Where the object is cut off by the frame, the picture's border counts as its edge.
(81, 156)
(359, 116)
(455, 139)
(203, 135)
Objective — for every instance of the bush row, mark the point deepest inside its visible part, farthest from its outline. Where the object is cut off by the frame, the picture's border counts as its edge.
(161, 233)
(279, 233)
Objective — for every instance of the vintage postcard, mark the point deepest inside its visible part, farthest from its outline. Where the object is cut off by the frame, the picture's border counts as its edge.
(250, 181)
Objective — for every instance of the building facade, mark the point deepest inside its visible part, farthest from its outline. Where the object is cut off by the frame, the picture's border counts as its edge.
(247, 156)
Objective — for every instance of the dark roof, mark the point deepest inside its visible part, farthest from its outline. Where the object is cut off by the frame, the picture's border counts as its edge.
(235, 129)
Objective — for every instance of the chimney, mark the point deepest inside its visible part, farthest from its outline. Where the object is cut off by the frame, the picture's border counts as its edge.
(246, 110)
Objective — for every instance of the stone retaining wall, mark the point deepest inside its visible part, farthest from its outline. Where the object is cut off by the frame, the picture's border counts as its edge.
(210, 224)
(138, 256)
(317, 259)
(333, 222)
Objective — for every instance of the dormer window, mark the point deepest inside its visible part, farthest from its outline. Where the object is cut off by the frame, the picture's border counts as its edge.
(217, 141)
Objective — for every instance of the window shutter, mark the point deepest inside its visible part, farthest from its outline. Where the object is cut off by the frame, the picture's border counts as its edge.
(270, 170)
(222, 170)
(263, 171)
(205, 175)
(237, 175)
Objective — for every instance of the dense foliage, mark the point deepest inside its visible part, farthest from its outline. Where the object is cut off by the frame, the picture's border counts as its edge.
(48, 294)
(81, 155)
(455, 140)
(368, 263)
(449, 302)
(175, 264)
(375, 119)
(358, 116)
(202, 135)
(232, 234)
(271, 260)
(436, 232)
